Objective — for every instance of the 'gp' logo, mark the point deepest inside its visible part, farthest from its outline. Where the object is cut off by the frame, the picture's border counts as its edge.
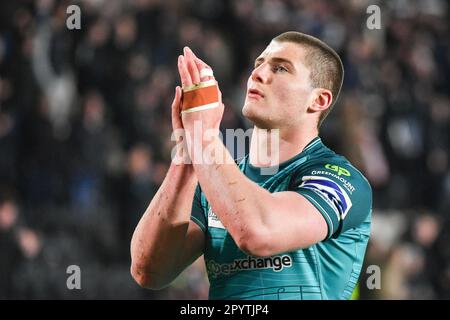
(338, 169)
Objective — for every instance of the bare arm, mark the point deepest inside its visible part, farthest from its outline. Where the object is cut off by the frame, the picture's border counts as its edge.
(165, 241)
(261, 223)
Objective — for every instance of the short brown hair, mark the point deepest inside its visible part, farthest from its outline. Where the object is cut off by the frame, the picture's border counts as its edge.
(327, 70)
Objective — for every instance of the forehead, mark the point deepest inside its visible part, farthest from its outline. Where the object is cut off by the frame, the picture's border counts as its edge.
(287, 50)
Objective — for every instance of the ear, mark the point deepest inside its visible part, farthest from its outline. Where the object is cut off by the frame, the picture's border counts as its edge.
(322, 99)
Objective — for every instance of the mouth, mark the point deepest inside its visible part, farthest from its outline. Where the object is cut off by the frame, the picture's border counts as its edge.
(255, 93)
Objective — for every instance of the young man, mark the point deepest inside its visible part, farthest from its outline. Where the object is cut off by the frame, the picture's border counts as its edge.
(298, 233)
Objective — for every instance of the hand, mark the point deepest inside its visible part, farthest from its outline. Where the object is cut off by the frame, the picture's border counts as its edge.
(189, 67)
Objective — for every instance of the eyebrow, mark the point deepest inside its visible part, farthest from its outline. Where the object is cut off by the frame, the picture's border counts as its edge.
(276, 60)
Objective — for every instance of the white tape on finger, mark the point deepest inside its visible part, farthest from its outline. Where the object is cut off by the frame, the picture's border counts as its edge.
(206, 72)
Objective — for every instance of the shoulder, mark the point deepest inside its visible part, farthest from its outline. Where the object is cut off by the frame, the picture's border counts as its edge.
(333, 167)
(336, 187)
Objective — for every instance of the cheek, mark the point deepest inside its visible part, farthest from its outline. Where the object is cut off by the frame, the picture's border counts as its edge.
(292, 96)
(283, 94)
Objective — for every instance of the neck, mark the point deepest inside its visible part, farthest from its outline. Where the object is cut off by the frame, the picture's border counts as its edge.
(270, 147)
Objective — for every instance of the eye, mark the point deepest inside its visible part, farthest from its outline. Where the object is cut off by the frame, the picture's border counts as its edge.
(279, 68)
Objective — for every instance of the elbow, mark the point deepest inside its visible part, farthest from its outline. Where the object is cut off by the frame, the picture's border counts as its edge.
(146, 279)
(141, 277)
(255, 243)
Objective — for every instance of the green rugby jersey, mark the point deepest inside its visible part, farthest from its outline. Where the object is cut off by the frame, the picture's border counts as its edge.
(326, 270)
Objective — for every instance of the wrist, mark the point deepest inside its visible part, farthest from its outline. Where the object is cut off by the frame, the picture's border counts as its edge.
(197, 135)
(180, 155)
(184, 169)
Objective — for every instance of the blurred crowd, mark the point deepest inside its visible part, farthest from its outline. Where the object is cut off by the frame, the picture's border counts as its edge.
(85, 131)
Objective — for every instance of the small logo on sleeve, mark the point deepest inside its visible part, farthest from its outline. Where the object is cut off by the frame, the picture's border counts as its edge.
(338, 169)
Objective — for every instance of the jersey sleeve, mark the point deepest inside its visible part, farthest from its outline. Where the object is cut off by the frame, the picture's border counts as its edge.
(197, 211)
(339, 192)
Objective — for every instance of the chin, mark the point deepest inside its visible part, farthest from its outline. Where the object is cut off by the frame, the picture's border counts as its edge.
(246, 110)
(257, 119)
(249, 112)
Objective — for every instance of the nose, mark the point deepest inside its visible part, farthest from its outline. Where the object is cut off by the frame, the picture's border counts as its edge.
(261, 74)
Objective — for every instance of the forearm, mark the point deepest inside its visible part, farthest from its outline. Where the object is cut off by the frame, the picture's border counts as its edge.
(239, 203)
(160, 234)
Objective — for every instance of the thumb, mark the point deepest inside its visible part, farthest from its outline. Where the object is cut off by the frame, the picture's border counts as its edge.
(176, 104)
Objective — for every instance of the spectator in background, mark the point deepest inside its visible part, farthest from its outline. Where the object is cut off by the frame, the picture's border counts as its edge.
(138, 184)
(18, 244)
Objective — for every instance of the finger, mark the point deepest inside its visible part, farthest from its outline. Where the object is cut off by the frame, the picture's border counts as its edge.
(200, 66)
(203, 76)
(192, 66)
(184, 73)
(199, 61)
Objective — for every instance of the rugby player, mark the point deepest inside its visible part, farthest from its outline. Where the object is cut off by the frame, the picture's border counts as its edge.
(300, 232)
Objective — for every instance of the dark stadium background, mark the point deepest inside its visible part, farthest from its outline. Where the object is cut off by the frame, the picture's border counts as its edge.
(85, 131)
